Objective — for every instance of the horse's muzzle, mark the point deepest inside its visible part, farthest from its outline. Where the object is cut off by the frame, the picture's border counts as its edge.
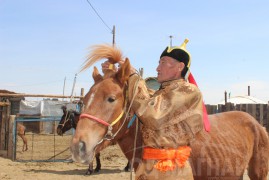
(80, 154)
(59, 131)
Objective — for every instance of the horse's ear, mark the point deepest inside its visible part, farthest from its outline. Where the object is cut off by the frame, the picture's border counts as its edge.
(124, 71)
(96, 75)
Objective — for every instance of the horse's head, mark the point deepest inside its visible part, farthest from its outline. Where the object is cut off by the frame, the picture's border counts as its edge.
(104, 106)
(67, 122)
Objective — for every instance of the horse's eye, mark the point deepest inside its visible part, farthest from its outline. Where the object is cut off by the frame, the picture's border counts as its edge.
(111, 99)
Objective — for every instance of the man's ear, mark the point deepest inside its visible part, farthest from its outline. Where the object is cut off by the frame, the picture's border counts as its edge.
(181, 66)
(96, 75)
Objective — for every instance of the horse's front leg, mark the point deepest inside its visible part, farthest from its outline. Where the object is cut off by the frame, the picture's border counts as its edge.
(90, 169)
(98, 163)
(23, 142)
(127, 167)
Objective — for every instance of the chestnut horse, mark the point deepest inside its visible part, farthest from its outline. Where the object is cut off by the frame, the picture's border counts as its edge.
(21, 132)
(68, 121)
(236, 140)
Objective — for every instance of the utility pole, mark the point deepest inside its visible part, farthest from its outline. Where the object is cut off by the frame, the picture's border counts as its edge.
(64, 86)
(141, 71)
(171, 39)
(113, 32)
(74, 84)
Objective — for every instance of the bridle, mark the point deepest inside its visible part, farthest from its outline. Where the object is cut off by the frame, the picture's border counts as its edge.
(66, 119)
(109, 134)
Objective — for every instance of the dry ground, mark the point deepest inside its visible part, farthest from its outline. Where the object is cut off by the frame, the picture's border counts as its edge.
(112, 159)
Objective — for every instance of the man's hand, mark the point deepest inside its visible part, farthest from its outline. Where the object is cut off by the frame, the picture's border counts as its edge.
(107, 66)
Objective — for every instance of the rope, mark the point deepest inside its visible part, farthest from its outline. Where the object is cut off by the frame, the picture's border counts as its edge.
(136, 130)
(134, 151)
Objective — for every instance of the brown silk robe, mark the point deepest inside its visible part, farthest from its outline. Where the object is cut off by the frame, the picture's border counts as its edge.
(171, 118)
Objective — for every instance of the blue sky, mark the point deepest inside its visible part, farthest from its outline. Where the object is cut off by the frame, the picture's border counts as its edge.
(44, 41)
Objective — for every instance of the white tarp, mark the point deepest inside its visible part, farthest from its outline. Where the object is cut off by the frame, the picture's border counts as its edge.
(31, 107)
(44, 107)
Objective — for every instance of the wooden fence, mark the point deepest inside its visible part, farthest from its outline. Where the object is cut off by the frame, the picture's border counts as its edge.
(9, 105)
(259, 111)
(9, 108)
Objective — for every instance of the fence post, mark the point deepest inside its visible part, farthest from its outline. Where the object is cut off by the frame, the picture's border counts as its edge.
(251, 109)
(267, 120)
(229, 107)
(3, 129)
(10, 153)
(4, 125)
(261, 112)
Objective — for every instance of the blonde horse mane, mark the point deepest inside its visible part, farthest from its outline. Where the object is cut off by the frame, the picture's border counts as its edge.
(102, 51)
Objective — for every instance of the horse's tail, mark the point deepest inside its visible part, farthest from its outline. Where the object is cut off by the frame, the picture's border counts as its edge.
(103, 51)
(258, 164)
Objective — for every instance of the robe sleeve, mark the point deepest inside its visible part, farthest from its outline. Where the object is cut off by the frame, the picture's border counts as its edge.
(172, 105)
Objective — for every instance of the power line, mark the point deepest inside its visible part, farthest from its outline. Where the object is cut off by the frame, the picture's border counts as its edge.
(99, 16)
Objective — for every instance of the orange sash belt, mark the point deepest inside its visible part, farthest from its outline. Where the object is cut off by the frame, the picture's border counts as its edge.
(168, 158)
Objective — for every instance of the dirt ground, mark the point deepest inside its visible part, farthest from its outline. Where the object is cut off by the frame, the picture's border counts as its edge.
(39, 147)
(112, 159)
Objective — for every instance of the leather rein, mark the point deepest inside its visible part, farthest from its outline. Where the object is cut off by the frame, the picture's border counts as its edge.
(66, 119)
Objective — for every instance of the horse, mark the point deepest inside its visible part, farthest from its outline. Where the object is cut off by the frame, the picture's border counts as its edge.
(235, 142)
(21, 132)
(68, 121)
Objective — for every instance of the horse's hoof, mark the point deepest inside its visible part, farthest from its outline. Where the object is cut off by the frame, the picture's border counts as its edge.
(97, 170)
(127, 169)
(89, 172)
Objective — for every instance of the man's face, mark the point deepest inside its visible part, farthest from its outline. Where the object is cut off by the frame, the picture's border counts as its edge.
(168, 69)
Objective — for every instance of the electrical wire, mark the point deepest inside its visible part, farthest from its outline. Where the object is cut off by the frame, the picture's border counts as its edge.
(99, 16)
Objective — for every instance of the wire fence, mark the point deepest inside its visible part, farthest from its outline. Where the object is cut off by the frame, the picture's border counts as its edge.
(44, 145)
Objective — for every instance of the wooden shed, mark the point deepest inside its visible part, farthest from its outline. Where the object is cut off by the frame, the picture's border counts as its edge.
(8, 106)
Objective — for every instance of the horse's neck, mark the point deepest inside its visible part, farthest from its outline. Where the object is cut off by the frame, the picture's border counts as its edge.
(125, 138)
(76, 117)
(76, 113)
(126, 141)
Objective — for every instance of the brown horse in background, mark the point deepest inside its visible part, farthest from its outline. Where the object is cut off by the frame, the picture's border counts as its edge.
(68, 121)
(236, 140)
(21, 132)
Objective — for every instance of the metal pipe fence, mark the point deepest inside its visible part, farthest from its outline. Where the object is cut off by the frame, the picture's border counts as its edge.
(44, 145)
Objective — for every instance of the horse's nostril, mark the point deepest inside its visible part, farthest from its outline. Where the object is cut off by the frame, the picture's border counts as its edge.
(82, 146)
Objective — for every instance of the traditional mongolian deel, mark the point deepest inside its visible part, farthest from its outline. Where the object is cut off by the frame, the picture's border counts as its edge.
(171, 118)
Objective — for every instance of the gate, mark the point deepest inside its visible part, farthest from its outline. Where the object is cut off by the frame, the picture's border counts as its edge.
(44, 144)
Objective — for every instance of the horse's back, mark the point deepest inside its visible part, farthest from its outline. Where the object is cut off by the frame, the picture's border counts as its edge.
(229, 146)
